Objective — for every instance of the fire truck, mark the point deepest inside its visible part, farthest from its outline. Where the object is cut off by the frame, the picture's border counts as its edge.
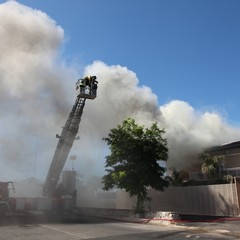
(6, 203)
(54, 198)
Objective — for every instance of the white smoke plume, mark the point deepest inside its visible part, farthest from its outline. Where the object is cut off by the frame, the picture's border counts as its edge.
(33, 93)
(37, 94)
(188, 131)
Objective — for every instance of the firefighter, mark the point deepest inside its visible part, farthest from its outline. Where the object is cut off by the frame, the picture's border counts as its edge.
(82, 86)
(87, 81)
(74, 198)
(1, 193)
(94, 85)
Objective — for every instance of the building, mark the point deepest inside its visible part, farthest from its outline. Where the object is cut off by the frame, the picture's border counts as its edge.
(231, 153)
(230, 165)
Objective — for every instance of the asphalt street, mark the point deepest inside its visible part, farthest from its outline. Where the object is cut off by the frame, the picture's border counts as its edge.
(38, 227)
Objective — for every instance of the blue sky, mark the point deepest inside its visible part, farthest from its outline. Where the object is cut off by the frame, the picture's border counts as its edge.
(186, 50)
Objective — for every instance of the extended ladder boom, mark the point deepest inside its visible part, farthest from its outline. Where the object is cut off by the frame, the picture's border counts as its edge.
(68, 136)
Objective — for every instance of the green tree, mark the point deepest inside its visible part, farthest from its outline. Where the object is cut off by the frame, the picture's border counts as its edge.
(133, 163)
(211, 166)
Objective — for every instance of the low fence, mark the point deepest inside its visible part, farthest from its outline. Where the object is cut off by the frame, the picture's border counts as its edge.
(215, 200)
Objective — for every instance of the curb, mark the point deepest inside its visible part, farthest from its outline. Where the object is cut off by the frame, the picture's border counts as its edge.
(170, 221)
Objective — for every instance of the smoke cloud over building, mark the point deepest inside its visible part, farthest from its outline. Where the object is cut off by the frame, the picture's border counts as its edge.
(188, 131)
(37, 94)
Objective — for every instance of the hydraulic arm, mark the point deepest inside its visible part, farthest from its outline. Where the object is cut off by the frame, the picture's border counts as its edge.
(86, 88)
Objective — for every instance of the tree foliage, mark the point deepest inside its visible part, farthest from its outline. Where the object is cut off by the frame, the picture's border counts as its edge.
(133, 161)
(211, 165)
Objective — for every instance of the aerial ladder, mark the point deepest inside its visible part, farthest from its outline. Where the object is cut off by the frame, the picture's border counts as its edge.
(86, 89)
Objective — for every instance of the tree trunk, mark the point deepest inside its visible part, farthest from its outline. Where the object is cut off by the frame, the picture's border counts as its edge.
(140, 205)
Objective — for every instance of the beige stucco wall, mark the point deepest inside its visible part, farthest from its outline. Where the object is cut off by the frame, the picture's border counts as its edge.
(218, 200)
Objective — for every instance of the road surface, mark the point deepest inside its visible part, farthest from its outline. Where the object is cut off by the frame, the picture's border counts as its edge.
(37, 227)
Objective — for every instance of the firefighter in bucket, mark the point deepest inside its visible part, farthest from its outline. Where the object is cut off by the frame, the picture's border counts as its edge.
(87, 87)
